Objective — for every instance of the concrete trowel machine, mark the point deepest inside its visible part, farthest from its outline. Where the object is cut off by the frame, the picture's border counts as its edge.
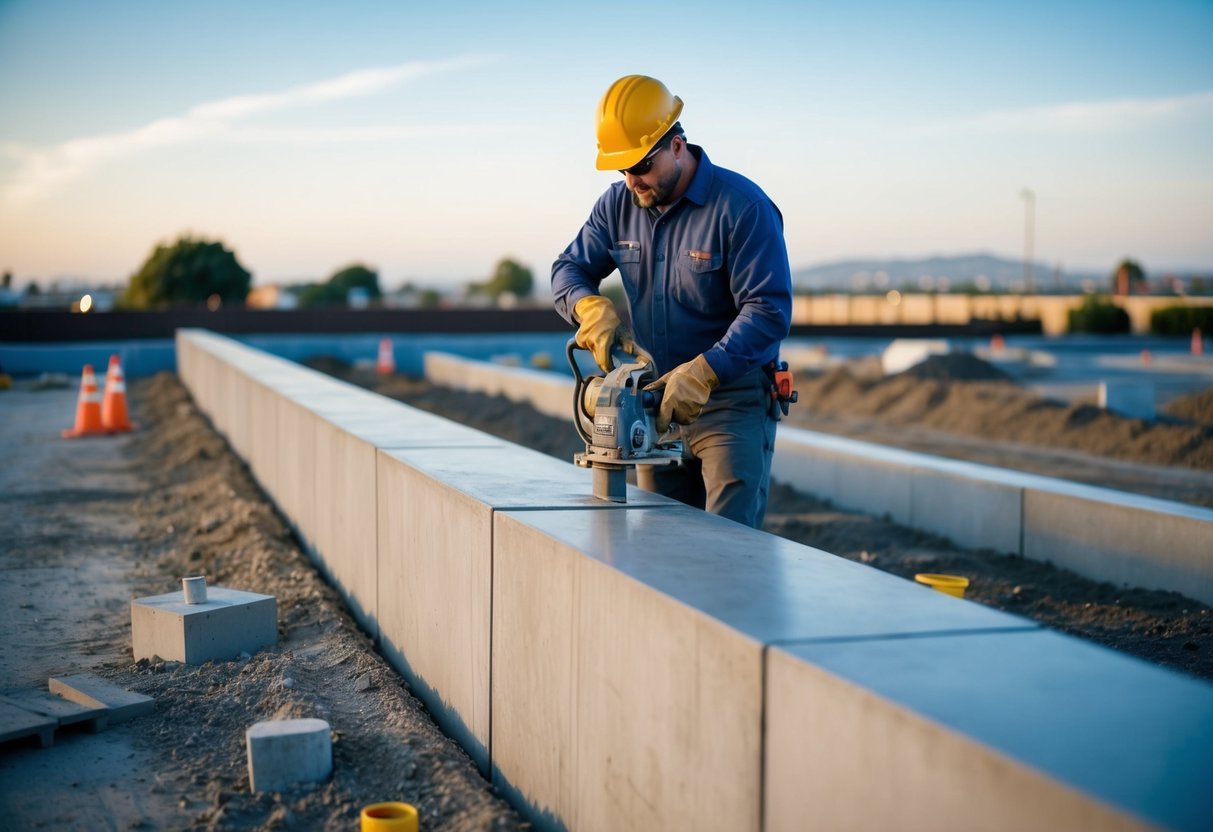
(616, 418)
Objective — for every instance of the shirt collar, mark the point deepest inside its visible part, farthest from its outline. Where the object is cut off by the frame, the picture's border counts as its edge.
(697, 191)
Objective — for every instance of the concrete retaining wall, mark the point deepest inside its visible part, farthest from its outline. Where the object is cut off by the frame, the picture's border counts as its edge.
(1100, 533)
(649, 666)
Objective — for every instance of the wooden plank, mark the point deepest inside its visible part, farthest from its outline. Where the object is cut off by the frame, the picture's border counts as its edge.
(16, 722)
(87, 689)
(55, 707)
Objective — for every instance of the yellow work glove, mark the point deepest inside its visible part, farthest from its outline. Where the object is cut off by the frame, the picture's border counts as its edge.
(601, 329)
(687, 388)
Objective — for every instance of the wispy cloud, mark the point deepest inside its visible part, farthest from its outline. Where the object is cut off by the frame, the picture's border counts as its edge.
(1082, 116)
(40, 170)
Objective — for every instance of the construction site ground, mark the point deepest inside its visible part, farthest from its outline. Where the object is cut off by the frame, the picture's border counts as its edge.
(87, 525)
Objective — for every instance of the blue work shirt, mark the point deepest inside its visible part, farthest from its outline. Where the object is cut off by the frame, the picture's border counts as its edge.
(709, 275)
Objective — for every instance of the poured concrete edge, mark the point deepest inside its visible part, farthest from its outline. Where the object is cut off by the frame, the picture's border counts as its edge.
(994, 730)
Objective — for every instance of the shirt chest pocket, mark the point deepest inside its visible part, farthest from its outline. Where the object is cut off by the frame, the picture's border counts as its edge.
(700, 283)
(627, 260)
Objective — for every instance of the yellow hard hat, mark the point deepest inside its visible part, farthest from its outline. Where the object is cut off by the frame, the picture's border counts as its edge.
(633, 115)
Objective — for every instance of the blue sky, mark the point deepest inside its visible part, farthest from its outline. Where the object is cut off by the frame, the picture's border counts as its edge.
(430, 140)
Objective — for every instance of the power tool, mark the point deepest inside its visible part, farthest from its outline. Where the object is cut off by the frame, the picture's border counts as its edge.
(616, 418)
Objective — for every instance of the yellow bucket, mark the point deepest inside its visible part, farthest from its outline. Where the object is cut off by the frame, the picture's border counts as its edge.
(389, 817)
(953, 585)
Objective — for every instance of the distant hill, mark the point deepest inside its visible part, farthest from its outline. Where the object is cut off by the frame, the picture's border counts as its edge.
(985, 271)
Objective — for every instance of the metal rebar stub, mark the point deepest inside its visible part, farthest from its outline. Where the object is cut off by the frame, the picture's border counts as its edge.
(611, 483)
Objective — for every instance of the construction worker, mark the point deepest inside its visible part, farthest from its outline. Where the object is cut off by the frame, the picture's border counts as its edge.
(705, 269)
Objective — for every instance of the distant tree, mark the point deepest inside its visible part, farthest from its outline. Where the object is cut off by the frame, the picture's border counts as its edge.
(509, 276)
(335, 291)
(356, 276)
(1128, 278)
(7, 280)
(1098, 315)
(185, 273)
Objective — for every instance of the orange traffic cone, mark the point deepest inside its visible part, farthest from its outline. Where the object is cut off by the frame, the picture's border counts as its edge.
(997, 343)
(1198, 344)
(387, 362)
(114, 416)
(88, 407)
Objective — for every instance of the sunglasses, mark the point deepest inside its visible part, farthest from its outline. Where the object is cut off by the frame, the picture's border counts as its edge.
(646, 164)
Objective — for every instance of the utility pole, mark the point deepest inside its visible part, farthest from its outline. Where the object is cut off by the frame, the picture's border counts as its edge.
(1029, 233)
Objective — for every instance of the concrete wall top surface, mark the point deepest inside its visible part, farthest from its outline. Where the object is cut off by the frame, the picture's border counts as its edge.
(1118, 728)
(771, 589)
(390, 424)
(536, 481)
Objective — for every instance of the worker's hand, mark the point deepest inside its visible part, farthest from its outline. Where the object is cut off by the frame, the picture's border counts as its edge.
(601, 329)
(687, 388)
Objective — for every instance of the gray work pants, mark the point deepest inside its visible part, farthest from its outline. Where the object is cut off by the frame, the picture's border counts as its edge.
(728, 452)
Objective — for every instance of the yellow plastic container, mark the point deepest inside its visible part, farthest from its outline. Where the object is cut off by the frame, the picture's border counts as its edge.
(389, 817)
(953, 585)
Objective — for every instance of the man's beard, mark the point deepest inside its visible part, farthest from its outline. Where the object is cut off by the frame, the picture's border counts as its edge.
(660, 193)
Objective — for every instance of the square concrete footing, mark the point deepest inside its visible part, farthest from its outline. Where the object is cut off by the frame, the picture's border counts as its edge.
(228, 623)
(282, 752)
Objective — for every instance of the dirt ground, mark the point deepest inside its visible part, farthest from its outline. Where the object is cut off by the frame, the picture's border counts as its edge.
(87, 525)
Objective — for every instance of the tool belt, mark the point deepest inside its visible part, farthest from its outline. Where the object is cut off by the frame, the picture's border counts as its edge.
(780, 380)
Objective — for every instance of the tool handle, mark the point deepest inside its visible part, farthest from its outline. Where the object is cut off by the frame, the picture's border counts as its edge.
(580, 416)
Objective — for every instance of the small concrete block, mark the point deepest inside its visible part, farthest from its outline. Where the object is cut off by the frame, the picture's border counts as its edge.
(286, 751)
(16, 722)
(55, 707)
(229, 623)
(1134, 399)
(90, 690)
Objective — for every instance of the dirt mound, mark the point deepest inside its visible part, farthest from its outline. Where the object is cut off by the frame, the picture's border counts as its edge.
(1196, 408)
(956, 366)
(964, 395)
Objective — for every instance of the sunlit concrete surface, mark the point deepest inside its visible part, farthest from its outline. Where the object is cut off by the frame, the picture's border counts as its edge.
(436, 510)
(976, 509)
(548, 392)
(878, 482)
(1014, 731)
(1123, 538)
(627, 657)
(285, 752)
